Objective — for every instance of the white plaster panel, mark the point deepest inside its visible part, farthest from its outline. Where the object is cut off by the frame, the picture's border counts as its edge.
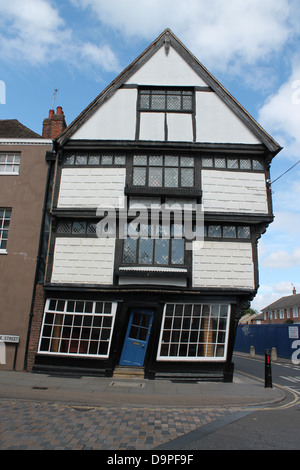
(180, 127)
(92, 187)
(215, 122)
(152, 126)
(83, 260)
(114, 120)
(166, 70)
(234, 191)
(223, 265)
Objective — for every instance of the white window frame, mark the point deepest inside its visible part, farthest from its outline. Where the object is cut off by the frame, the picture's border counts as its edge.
(3, 229)
(14, 163)
(42, 350)
(295, 312)
(202, 358)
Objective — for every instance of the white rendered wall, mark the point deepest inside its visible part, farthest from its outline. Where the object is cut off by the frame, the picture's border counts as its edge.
(83, 260)
(234, 191)
(166, 70)
(91, 187)
(223, 265)
(216, 123)
(114, 120)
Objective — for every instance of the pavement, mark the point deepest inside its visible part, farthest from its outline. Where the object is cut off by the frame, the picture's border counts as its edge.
(48, 412)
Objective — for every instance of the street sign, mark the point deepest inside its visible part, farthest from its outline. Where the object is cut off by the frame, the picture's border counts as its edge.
(10, 338)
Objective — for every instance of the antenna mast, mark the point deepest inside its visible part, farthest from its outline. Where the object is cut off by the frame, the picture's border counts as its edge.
(55, 91)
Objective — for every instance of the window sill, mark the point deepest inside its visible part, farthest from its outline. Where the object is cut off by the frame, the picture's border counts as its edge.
(152, 271)
(3, 252)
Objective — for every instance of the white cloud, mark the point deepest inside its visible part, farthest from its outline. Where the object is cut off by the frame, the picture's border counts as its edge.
(221, 33)
(283, 259)
(281, 115)
(37, 34)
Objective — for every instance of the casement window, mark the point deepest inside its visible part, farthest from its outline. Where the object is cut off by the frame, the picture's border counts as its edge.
(166, 99)
(5, 216)
(232, 163)
(163, 171)
(194, 332)
(9, 163)
(94, 159)
(155, 246)
(295, 312)
(281, 314)
(216, 231)
(77, 328)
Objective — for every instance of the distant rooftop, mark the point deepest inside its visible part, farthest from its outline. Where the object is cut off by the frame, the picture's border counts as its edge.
(13, 129)
(284, 302)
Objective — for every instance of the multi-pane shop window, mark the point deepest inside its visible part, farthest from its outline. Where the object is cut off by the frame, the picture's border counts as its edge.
(5, 216)
(77, 327)
(167, 171)
(10, 163)
(194, 332)
(176, 100)
(154, 246)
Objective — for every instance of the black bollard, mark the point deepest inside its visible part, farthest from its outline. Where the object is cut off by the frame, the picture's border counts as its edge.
(268, 370)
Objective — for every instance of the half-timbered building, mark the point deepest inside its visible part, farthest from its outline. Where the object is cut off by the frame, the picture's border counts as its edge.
(125, 286)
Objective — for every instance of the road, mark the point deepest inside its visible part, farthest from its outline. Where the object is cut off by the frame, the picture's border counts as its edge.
(276, 427)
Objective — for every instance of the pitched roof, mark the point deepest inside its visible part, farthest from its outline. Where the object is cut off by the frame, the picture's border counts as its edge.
(168, 38)
(284, 302)
(12, 128)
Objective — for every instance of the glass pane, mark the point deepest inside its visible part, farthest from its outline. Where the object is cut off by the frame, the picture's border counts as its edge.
(177, 251)
(229, 231)
(81, 160)
(145, 251)
(244, 232)
(120, 160)
(257, 164)
(173, 102)
(94, 159)
(186, 161)
(158, 102)
(161, 251)
(232, 163)
(129, 251)
(140, 160)
(245, 164)
(64, 227)
(187, 103)
(220, 163)
(139, 176)
(171, 160)
(187, 177)
(214, 231)
(155, 161)
(155, 177)
(144, 101)
(107, 159)
(79, 227)
(171, 177)
(207, 162)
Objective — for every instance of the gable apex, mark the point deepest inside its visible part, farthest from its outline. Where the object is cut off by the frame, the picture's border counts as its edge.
(167, 43)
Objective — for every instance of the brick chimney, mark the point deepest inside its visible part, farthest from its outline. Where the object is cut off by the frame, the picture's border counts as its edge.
(294, 290)
(54, 124)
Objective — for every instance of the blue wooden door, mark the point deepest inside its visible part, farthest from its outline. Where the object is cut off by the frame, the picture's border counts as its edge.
(137, 337)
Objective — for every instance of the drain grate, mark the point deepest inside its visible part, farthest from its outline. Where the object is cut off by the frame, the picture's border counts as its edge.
(127, 384)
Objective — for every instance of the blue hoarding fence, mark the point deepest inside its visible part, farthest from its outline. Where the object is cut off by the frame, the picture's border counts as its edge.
(285, 338)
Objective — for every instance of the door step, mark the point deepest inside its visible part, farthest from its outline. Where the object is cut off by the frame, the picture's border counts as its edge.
(123, 372)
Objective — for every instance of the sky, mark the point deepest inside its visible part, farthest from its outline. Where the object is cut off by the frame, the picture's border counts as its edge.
(252, 47)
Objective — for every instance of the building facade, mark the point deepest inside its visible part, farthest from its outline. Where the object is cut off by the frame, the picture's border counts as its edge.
(23, 173)
(160, 193)
(284, 310)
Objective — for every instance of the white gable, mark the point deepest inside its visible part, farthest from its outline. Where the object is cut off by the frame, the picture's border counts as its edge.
(117, 118)
(166, 70)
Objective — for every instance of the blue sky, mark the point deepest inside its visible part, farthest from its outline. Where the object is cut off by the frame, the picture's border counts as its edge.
(252, 48)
